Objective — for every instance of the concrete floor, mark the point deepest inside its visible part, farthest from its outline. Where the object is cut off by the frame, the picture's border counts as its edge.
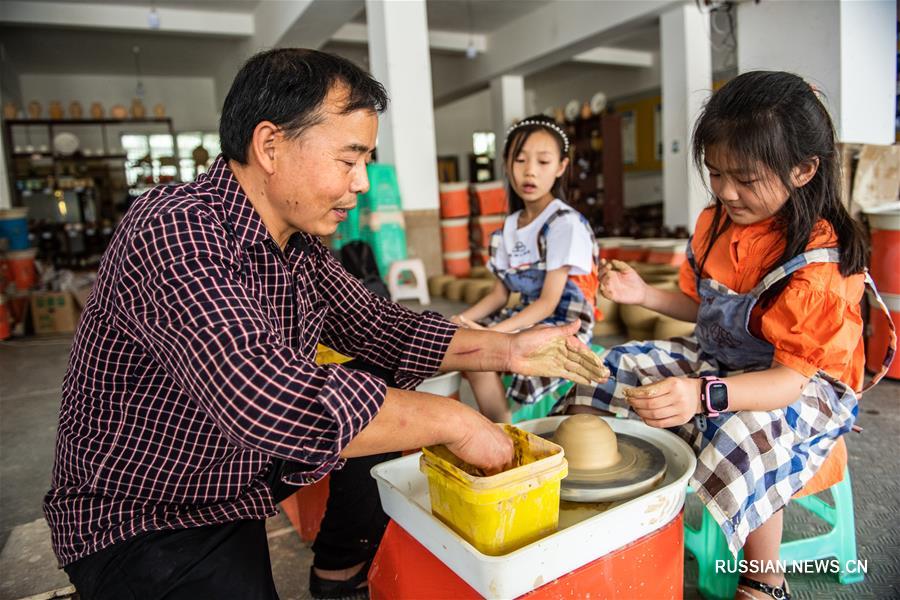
(31, 371)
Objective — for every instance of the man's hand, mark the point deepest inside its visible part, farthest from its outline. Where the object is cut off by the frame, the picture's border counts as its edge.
(483, 444)
(668, 403)
(555, 352)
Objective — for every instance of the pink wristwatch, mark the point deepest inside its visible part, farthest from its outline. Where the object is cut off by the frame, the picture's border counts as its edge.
(713, 396)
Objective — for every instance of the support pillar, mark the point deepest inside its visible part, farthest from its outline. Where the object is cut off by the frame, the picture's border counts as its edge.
(507, 105)
(399, 58)
(686, 67)
(846, 48)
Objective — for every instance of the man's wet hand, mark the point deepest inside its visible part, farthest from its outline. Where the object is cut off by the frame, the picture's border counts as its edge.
(555, 352)
(483, 444)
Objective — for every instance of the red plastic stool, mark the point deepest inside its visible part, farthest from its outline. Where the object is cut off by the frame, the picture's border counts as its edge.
(651, 567)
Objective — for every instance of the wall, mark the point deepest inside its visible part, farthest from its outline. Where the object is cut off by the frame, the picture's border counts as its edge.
(579, 81)
(190, 101)
(454, 124)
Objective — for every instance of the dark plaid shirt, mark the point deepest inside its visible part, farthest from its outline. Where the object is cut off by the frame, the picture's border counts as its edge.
(194, 365)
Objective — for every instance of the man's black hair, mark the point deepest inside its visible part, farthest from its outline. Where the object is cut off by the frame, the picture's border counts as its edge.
(288, 86)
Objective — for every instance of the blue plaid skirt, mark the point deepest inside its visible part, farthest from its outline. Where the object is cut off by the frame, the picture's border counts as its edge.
(749, 463)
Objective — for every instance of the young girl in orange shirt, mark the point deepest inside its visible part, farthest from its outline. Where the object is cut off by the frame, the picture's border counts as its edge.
(775, 274)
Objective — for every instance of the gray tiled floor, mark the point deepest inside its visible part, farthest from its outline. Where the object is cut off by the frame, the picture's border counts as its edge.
(31, 371)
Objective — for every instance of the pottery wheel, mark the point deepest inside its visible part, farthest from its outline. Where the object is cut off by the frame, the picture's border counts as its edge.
(641, 467)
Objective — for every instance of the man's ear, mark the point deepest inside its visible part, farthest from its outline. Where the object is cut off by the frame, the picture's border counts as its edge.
(804, 172)
(263, 145)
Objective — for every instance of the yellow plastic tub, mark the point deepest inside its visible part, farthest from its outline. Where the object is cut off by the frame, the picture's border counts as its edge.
(503, 512)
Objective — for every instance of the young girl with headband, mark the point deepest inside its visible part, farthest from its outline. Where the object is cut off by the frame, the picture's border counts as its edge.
(546, 252)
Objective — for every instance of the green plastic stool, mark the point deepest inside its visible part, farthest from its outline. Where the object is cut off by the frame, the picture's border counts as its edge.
(541, 408)
(707, 543)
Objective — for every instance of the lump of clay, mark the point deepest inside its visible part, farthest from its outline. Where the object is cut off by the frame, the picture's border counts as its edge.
(589, 442)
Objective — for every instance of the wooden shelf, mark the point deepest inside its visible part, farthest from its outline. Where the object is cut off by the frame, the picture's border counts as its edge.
(78, 157)
(54, 122)
(601, 203)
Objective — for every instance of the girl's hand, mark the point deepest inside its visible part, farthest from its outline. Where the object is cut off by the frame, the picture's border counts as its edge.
(457, 319)
(668, 403)
(621, 283)
(469, 324)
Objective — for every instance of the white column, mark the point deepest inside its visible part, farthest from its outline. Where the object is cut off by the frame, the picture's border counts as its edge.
(686, 66)
(399, 58)
(847, 48)
(5, 199)
(507, 105)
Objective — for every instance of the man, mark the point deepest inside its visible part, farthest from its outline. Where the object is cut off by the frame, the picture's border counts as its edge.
(192, 383)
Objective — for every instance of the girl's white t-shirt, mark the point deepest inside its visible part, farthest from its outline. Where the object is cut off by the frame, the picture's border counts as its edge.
(568, 242)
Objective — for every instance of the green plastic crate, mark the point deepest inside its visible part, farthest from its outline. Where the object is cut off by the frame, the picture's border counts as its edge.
(347, 231)
(384, 193)
(388, 244)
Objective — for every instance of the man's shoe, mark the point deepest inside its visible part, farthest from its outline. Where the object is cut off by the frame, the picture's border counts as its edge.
(348, 589)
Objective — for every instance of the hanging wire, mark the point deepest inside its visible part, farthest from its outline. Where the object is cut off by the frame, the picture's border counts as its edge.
(139, 89)
(727, 31)
(471, 52)
(729, 40)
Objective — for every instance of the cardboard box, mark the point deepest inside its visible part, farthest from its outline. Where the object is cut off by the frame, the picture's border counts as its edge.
(53, 312)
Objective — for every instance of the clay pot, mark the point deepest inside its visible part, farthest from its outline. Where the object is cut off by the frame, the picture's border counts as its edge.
(608, 328)
(56, 110)
(10, 110)
(34, 109)
(476, 290)
(639, 321)
(159, 110)
(586, 110)
(656, 274)
(456, 290)
(589, 442)
(559, 115)
(200, 155)
(97, 111)
(667, 327)
(609, 308)
(481, 272)
(437, 284)
(75, 110)
(138, 111)
(118, 112)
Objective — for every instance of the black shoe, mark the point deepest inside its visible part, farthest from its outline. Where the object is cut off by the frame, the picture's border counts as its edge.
(348, 589)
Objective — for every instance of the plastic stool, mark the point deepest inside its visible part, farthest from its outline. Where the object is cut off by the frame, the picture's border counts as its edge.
(650, 567)
(541, 408)
(418, 290)
(708, 544)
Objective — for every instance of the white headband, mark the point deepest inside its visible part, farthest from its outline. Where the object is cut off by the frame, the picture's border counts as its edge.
(553, 126)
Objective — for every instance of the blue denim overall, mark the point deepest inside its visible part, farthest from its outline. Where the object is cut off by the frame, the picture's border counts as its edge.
(528, 280)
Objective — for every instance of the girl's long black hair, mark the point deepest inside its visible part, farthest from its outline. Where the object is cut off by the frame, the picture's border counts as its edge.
(774, 120)
(513, 146)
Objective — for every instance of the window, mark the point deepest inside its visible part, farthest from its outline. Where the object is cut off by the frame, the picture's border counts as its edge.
(151, 159)
(483, 143)
(188, 142)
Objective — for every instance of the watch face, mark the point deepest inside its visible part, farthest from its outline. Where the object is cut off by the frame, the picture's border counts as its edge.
(718, 396)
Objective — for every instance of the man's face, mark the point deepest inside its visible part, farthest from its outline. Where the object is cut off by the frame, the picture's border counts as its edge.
(317, 175)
